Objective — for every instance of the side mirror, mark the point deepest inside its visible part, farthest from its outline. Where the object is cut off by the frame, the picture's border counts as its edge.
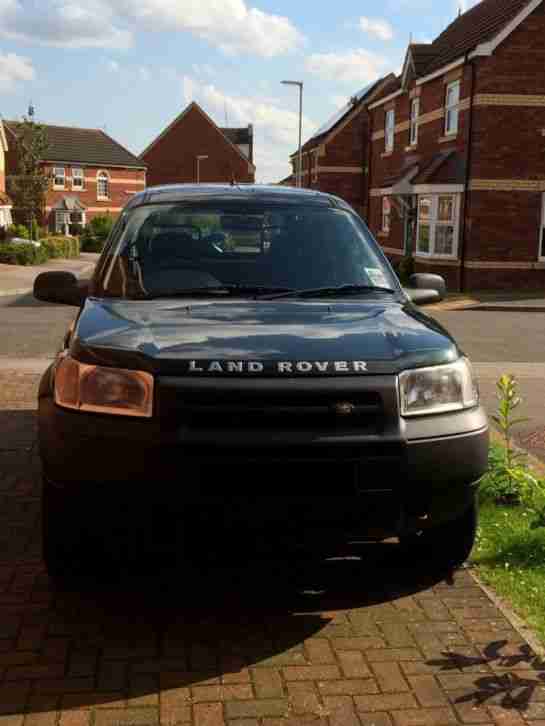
(426, 288)
(60, 287)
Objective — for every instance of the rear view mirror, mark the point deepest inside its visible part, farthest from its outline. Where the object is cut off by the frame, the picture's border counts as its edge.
(60, 287)
(425, 288)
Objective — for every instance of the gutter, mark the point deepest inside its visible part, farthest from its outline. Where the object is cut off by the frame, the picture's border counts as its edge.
(463, 245)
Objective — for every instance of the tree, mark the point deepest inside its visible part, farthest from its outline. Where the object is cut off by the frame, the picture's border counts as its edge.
(27, 187)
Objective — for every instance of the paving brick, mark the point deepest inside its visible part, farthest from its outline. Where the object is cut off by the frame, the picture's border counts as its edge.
(73, 718)
(47, 718)
(72, 685)
(319, 651)
(11, 720)
(351, 687)
(34, 672)
(304, 702)
(390, 678)
(312, 673)
(268, 683)
(397, 635)
(222, 692)
(359, 643)
(209, 714)
(257, 709)
(427, 691)
(375, 719)
(385, 702)
(353, 664)
(377, 655)
(424, 717)
(341, 711)
(143, 691)
(126, 717)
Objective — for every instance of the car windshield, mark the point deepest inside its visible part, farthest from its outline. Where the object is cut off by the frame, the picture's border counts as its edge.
(175, 250)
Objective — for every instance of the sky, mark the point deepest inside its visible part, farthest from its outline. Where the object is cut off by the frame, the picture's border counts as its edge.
(131, 66)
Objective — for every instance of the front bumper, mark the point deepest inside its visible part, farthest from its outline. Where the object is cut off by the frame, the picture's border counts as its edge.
(419, 475)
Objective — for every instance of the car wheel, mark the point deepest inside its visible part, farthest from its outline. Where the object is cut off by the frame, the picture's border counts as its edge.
(449, 545)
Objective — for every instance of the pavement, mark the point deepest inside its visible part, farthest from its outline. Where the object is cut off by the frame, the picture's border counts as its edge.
(19, 280)
(356, 640)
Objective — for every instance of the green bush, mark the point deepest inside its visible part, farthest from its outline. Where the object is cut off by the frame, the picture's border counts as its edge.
(17, 230)
(89, 243)
(100, 227)
(59, 246)
(22, 254)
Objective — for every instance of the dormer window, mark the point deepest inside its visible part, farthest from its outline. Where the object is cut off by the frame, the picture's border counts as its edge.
(415, 110)
(452, 101)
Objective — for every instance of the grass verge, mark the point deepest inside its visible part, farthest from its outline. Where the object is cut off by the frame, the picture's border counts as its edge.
(510, 557)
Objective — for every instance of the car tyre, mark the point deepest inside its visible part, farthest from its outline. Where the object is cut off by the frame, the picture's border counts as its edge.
(448, 545)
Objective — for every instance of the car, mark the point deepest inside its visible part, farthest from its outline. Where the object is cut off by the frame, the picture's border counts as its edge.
(285, 387)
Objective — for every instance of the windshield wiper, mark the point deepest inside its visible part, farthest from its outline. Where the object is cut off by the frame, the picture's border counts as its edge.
(228, 289)
(332, 291)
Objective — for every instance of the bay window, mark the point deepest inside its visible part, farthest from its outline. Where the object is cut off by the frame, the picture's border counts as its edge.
(389, 130)
(452, 99)
(438, 224)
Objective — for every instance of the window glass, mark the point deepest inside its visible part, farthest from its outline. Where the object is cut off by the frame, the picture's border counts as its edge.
(444, 239)
(424, 207)
(445, 211)
(166, 249)
(77, 178)
(103, 185)
(58, 176)
(386, 211)
(415, 110)
(424, 238)
(451, 107)
(438, 224)
(389, 129)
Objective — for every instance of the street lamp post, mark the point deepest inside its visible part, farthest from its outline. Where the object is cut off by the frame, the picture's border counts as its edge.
(200, 158)
(300, 162)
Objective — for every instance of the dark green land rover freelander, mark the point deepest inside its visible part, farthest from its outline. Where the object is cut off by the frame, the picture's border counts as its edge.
(245, 357)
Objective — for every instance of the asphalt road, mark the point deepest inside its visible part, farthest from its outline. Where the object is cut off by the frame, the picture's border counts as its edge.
(32, 329)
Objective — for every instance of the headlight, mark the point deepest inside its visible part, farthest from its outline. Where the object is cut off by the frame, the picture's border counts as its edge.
(439, 389)
(103, 390)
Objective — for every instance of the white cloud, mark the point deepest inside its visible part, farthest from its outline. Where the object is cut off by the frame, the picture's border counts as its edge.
(350, 66)
(62, 23)
(464, 5)
(14, 68)
(276, 129)
(377, 27)
(230, 25)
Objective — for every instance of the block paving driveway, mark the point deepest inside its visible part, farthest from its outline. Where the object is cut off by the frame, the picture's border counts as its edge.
(260, 641)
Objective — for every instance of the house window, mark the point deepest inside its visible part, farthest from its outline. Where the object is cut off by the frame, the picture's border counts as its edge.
(386, 211)
(389, 130)
(452, 101)
(542, 230)
(77, 179)
(103, 185)
(62, 221)
(59, 175)
(415, 110)
(438, 225)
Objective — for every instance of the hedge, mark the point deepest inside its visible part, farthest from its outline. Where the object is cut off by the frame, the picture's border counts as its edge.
(66, 247)
(90, 243)
(22, 254)
(50, 247)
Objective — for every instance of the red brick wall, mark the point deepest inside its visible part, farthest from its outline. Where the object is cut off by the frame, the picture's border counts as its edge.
(123, 182)
(347, 148)
(173, 158)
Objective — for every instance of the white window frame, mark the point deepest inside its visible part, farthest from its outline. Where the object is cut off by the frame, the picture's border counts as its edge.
(386, 214)
(56, 176)
(389, 130)
(414, 114)
(103, 174)
(79, 175)
(452, 111)
(62, 219)
(541, 248)
(433, 222)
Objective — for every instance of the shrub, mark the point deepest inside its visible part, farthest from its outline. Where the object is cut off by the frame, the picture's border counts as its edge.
(60, 246)
(23, 254)
(100, 227)
(90, 243)
(404, 269)
(18, 230)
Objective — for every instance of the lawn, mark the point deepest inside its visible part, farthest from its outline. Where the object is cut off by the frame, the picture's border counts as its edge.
(510, 557)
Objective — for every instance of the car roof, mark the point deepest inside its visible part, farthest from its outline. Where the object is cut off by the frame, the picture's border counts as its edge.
(246, 193)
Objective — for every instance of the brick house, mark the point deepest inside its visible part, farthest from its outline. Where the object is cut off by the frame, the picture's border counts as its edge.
(334, 159)
(91, 174)
(457, 161)
(193, 148)
(5, 202)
